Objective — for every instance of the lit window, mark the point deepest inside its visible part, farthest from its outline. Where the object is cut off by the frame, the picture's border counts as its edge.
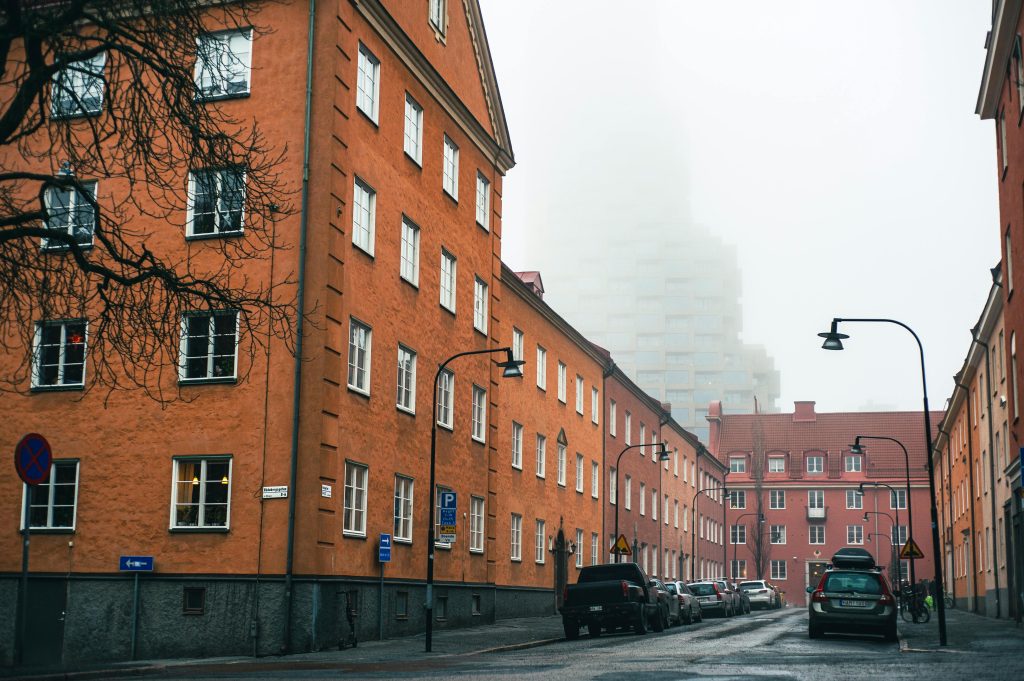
(71, 211)
(223, 64)
(368, 83)
(59, 354)
(209, 346)
(202, 492)
(216, 202)
(78, 88)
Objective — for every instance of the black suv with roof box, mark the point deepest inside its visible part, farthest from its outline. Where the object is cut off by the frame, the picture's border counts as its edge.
(852, 596)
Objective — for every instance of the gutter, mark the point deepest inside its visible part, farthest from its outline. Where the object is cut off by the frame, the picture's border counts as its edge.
(297, 389)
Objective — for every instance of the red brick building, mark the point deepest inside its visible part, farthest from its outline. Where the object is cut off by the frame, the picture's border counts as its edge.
(793, 487)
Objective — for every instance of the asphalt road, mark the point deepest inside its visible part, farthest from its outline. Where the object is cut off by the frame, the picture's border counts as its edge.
(764, 645)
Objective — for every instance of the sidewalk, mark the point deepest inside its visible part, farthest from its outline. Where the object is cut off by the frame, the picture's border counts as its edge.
(964, 631)
(509, 634)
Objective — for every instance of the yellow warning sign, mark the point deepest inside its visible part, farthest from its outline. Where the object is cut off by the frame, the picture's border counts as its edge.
(621, 546)
(911, 550)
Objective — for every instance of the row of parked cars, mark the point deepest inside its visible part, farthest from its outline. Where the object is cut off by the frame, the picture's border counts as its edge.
(621, 596)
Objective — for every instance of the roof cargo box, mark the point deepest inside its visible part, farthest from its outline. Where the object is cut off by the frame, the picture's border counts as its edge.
(851, 558)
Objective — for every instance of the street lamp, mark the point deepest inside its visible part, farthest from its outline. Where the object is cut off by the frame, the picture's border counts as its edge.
(895, 533)
(855, 448)
(834, 341)
(662, 456)
(693, 528)
(860, 491)
(760, 519)
(510, 368)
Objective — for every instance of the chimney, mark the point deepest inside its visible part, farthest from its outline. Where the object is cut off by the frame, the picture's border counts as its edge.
(803, 412)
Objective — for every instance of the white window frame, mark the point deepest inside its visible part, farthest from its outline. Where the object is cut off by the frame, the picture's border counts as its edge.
(437, 15)
(612, 409)
(516, 525)
(897, 500)
(368, 83)
(449, 280)
(483, 201)
(778, 570)
(613, 491)
(628, 489)
(542, 454)
(62, 380)
(481, 297)
(643, 498)
(406, 384)
(517, 344)
(594, 538)
(232, 75)
(73, 214)
(357, 478)
(403, 517)
(737, 499)
(44, 495)
(854, 500)
(409, 266)
(579, 472)
(777, 534)
(77, 89)
(776, 464)
(202, 480)
(815, 464)
(561, 382)
(853, 463)
(450, 168)
(212, 366)
(479, 415)
(628, 427)
(816, 534)
(445, 416)
(815, 498)
(774, 497)
(561, 464)
(579, 394)
(595, 480)
(476, 524)
(413, 137)
(855, 535)
(364, 215)
(517, 446)
(219, 205)
(360, 349)
(579, 547)
(738, 534)
(737, 464)
(540, 543)
(542, 368)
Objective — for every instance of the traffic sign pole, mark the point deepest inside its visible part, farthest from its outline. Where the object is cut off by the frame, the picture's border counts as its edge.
(19, 649)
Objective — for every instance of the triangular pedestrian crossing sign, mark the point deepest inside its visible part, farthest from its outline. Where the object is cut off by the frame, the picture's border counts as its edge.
(621, 546)
(911, 550)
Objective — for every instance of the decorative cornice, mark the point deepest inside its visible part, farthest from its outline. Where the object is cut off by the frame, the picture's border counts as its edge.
(497, 151)
(998, 51)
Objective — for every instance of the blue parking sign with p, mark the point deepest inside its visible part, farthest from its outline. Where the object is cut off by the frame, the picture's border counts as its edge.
(449, 508)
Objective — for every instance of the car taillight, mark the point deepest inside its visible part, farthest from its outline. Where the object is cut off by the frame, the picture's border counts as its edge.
(681, 601)
(886, 599)
(625, 588)
(819, 597)
(565, 595)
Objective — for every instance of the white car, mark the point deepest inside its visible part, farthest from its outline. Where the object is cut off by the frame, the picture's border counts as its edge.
(760, 593)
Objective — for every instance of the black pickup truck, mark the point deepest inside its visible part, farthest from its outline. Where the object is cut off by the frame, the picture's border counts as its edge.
(614, 595)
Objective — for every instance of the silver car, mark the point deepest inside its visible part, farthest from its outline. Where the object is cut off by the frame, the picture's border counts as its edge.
(689, 605)
(733, 594)
(760, 593)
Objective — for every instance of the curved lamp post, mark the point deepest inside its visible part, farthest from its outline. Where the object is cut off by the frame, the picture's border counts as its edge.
(693, 528)
(760, 519)
(663, 455)
(855, 448)
(511, 368)
(895, 526)
(834, 341)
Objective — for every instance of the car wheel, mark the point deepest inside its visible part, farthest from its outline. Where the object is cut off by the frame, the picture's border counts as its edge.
(890, 633)
(640, 626)
(571, 628)
(689, 616)
(594, 629)
(700, 615)
(814, 632)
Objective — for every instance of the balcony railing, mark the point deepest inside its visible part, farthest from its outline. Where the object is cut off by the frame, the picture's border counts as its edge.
(815, 513)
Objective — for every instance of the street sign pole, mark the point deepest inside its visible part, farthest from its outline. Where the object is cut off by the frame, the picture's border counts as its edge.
(23, 584)
(33, 460)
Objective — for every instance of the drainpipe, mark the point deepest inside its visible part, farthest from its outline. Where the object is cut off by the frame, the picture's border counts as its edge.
(297, 389)
(606, 372)
(991, 466)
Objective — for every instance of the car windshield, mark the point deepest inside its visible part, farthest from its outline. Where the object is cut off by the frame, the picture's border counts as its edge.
(671, 587)
(852, 582)
(752, 585)
(703, 589)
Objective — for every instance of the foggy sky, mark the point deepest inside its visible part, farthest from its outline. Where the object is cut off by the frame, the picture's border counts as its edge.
(834, 143)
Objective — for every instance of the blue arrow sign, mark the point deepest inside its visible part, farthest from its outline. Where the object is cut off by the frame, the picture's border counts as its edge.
(384, 548)
(136, 564)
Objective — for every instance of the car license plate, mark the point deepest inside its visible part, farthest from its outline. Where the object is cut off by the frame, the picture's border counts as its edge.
(854, 604)
(596, 608)
(705, 599)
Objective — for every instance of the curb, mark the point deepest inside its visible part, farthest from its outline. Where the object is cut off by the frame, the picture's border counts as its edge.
(516, 646)
(87, 675)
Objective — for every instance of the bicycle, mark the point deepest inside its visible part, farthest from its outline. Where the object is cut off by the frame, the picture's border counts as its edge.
(948, 601)
(912, 607)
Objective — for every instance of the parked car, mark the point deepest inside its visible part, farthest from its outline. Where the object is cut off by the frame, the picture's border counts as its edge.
(609, 596)
(761, 594)
(730, 591)
(689, 604)
(668, 604)
(744, 598)
(852, 596)
(712, 598)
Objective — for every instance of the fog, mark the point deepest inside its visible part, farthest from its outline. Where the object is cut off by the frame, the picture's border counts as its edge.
(834, 143)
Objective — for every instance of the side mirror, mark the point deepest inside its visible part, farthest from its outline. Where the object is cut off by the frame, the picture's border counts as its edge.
(810, 589)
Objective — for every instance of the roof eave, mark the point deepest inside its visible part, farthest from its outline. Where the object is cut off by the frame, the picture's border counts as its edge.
(1000, 45)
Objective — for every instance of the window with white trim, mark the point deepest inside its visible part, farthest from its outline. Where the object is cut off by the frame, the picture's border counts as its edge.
(445, 390)
(480, 300)
(654, 504)
(853, 463)
(517, 344)
(406, 399)
(737, 498)
(579, 395)
(364, 216)
(898, 499)
(816, 534)
(483, 201)
(517, 445)
(53, 504)
(403, 508)
(71, 211)
(216, 202)
(612, 409)
(628, 427)
(738, 534)
(476, 524)
(776, 464)
(664, 510)
(410, 253)
(539, 544)
(413, 129)
(854, 534)
(595, 479)
(59, 354)
(516, 552)
(737, 464)
(360, 338)
(815, 498)
(201, 497)
(643, 437)
(579, 472)
(542, 445)
(777, 534)
(77, 89)
(595, 405)
(561, 464)
(778, 570)
(675, 513)
(437, 13)
(479, 415)
(593, 547)
(542, 368)
(209, 346)
(815, 464)
(579, 547)
(450, 168)
(561, 382)
(854, 500)
(223, 64)
(739, 568)
(612, 486)
(643, 498)
(368, 83)
(777, 499)
(628, 493)
(448, 269)
(356, 475)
